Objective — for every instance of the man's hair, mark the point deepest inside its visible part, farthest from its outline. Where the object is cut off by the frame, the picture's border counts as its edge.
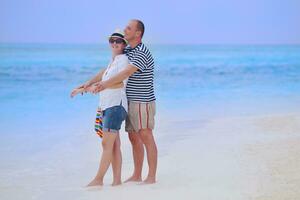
(140, 26)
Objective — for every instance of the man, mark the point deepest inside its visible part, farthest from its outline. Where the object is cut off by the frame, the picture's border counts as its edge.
(141, 101)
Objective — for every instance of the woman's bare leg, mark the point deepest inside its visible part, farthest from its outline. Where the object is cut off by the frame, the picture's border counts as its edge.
(117, 162)
(108, 141)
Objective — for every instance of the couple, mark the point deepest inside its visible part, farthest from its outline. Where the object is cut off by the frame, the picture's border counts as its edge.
(126, 92)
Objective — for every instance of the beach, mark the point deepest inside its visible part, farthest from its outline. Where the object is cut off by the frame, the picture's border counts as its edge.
(223, 131)
(253, 157)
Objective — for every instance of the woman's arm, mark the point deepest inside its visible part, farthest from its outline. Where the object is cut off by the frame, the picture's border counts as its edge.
(83, 88)
(95, 79)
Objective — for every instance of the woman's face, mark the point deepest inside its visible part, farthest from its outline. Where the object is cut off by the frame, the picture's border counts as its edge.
(117, 45)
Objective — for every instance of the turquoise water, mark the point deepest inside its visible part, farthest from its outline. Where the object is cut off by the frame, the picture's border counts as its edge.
(36, 80)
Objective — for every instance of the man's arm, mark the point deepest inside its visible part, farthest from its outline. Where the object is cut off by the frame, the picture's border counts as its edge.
(128, 71)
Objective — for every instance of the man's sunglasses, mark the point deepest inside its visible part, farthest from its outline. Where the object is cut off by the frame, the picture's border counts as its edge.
(117, 41)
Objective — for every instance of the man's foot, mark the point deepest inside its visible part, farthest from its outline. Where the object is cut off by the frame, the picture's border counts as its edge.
(116, 183)
(149, 180)
(134, 179)
(95, 182)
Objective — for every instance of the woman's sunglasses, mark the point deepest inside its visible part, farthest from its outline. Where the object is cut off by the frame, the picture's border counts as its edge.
(117, 41)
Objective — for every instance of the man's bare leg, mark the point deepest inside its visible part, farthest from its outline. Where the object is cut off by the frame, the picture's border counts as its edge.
(107, 144)
(138, 156)
(151, 150)
(117, 162)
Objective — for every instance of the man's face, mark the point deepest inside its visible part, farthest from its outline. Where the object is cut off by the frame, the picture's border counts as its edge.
(130, 31)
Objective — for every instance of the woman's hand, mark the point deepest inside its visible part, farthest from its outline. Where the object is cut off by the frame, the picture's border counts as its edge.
(86, 85)
(77, 90)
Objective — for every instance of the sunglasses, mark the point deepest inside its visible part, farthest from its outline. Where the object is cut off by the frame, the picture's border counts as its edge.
(117, 41)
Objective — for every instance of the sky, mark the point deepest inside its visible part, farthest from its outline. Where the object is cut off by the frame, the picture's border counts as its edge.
(166, 21)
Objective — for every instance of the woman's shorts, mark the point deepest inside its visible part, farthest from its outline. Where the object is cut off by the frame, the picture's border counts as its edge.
(113, 118)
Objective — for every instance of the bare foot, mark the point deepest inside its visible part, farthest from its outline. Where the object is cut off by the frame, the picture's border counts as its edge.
(149, 180)
(116, 183)
(134, 179)
(95, 182)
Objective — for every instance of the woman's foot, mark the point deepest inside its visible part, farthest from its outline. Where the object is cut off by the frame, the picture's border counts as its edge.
(95, 182)
(134, 179)
(116, 183)
(149, 180)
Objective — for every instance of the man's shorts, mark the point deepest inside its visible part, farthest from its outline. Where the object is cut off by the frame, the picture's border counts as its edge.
(113, 118)
(140, 116)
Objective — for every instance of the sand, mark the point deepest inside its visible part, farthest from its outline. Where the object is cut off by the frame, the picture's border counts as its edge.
(251, 157)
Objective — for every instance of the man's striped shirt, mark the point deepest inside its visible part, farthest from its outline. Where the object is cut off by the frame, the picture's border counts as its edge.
(140, 84)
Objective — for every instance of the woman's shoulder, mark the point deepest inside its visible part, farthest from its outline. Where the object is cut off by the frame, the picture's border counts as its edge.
(123, 57)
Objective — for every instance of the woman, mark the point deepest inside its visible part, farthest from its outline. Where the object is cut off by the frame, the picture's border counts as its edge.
(113, 103)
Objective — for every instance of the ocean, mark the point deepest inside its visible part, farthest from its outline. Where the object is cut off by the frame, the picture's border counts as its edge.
(37, 78)
(190, 80)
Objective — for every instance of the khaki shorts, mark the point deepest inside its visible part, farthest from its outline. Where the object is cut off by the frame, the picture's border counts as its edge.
(140, 116)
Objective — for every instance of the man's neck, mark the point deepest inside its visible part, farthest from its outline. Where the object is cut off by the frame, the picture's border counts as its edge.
(134, 43)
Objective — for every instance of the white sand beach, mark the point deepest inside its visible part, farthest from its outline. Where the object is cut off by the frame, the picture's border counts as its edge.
(252, 157)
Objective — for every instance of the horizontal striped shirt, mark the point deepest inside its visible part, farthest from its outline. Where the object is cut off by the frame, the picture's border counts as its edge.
(140, 84)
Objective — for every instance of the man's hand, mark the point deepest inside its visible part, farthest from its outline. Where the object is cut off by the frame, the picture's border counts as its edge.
(98, 87)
